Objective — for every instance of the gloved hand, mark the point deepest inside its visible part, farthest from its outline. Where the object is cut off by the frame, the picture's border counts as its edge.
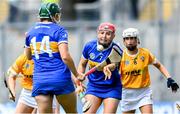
(171, 83)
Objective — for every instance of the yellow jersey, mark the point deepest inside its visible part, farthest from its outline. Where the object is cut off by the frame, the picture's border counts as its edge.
(24, 67)
(134, 69)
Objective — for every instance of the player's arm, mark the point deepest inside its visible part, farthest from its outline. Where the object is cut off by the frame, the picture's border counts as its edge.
(111, 66)
(27, 47)
(107, 70)
(82, 66)
(67, 59)
(28, 53)
(161, 68)
(14, 71)
(170, 82)
(12, 81)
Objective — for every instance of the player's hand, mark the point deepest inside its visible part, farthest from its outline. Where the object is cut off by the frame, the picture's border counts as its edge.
(79, 85)
(107, 72)
(80, 89)
(76, 81)
(172, 84)
(81, 77)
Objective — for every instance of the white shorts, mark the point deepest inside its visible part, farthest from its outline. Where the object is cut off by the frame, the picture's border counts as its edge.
(26, 98)
(132, 99)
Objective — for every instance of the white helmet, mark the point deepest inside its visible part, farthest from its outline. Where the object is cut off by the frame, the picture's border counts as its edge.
(130, 32)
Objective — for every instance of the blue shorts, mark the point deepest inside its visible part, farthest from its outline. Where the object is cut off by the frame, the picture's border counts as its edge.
(53, 88)
(105, 92)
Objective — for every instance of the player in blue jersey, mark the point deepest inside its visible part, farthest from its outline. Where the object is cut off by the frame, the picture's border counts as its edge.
(47, 44)
(101, 90)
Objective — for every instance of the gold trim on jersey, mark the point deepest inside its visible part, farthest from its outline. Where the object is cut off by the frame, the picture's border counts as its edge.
(92, 64)
(53, 46)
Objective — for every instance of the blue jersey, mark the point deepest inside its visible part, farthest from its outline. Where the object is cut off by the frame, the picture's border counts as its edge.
(95, 57)
(43, 40)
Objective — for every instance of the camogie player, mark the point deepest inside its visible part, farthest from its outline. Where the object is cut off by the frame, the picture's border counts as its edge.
(22, 68)
(136, 93)
(99, 89)
(47, 44)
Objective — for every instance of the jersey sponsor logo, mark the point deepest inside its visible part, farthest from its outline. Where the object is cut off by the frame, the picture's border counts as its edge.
(28, 76)
(133, 73)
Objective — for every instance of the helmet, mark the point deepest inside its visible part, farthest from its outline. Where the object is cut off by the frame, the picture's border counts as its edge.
(107, 26)
(48, 10)
(131, 32)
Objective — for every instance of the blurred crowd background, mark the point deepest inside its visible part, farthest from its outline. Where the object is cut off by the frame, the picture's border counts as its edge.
(157, 20)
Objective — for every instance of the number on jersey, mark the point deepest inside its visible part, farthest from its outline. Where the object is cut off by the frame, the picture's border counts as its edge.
(44, 47)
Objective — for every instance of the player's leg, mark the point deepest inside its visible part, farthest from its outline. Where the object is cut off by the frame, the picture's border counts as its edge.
(26, 103)
(133, 99)
(130, 100)
(34, 111)
(44, 103)
(56, 106)
(146, 102)
(95, 103)
(56, 110)
(146, 109)
(23, 108)
(110, 105)
(68, 102)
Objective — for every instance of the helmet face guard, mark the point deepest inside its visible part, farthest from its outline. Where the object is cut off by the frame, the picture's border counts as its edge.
(48, 10)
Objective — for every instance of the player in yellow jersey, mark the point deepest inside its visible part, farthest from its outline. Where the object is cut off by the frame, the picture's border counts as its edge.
(135, 75)
(24, 68)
